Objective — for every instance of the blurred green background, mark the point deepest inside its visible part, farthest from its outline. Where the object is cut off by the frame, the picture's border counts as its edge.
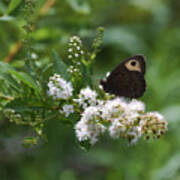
(149, 27)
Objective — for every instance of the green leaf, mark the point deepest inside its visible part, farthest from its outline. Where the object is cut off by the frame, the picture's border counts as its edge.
(86, 78)
(10, 81)
(26, 79)
(60, 67)
(30, 104)
(13, 5)
(6, 76)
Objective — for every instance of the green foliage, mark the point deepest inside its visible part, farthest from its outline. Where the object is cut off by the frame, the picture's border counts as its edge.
(13, 5)
(31, 105)
(60, 67)
(131, 27)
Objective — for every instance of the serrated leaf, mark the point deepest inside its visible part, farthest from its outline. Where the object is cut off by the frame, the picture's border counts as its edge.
(26, 79)
(60, 67)
(13, 5)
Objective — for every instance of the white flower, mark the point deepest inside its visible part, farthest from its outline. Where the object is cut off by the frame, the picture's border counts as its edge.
(76, 55)
(78, 47)
(153, 117)
(67, 110)
(123, 117)
(75, 38)
(134, 134)
(34, 56)
(134, 109)
(70, 56)
(116, 128)
(136, 106)
(156, 115)
(114, 108)
(59, 88)
(114, 112)
(70, 49)
(87, 97)
(89, 127)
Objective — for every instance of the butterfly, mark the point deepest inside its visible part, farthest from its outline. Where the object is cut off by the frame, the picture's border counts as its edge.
(127, 79)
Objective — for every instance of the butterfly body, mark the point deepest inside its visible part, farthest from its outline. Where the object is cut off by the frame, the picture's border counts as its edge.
(127, 79)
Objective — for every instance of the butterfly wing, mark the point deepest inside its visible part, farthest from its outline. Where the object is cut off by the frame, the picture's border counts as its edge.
(123, 82)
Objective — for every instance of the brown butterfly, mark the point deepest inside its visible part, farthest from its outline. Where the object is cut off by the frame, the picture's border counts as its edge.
(127, 79)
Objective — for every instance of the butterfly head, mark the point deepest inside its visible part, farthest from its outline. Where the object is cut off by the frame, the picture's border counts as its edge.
(136, 63)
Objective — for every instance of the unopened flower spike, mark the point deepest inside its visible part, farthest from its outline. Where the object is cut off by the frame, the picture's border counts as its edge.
(75, 51)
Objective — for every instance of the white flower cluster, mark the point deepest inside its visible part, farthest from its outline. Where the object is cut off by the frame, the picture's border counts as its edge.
(153, 123)
(67, 110)
(59, 88)
(89, 127)
(87, 97)
(125, 119)
(119, 117)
